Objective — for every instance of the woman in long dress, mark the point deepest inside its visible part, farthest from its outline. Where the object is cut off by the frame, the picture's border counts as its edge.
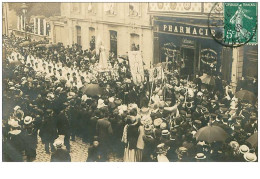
(140, 144)
(130, 137)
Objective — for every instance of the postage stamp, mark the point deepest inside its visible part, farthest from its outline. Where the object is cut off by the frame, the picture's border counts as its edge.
(234, 23)
(241, 22)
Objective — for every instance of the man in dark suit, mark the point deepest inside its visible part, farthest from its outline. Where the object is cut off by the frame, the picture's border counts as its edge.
(104, 132)
(60, 155)
(144, 99)
(198, 82)
(48, 131)
(63, 125)
(94, 154)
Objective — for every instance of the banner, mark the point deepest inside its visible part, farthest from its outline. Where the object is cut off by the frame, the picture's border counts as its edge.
(136, 66)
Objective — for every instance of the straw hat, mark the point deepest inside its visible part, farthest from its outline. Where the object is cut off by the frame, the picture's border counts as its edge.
(144, 111)
(163, 126)
(146, 120)
(101, 103)
(250, 157)
(243, 149)
(58, 143)
(165, 132)
(85, 98)
(118, 102)
(157, 122)
(234, 144)
(15, 132)
(13, 123)
(17, 107)
(28, 120)
(162, 148)
(200, 156)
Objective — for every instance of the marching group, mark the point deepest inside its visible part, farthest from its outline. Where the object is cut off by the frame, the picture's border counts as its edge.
(59, 92)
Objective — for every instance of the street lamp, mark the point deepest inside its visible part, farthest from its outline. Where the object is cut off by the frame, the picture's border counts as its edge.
(24, 8)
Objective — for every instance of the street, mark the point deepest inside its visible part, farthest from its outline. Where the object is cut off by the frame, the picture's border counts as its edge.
(79, 152)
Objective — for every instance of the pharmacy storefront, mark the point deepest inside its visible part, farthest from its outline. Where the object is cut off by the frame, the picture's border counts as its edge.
(190, 41)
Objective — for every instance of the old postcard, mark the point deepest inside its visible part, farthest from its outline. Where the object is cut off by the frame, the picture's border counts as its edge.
(130, 82)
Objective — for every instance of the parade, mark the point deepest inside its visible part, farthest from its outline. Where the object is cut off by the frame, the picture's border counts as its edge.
(129, 82)
(57, 93)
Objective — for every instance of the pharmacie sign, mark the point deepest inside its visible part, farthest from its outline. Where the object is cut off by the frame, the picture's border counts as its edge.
(180, 29)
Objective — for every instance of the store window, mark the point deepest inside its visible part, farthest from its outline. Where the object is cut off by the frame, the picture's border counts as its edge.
(113, 42)
(134, 42)
(78, 29)
(92, 42)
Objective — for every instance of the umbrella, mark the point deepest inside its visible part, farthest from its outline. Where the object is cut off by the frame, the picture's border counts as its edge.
(253, 139)
(211, 134)
(224, 126)
(246, 95)
(207, 79)
(92, 90)
(26, 43)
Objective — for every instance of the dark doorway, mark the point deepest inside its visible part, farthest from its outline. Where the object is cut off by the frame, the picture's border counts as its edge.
(187, 68)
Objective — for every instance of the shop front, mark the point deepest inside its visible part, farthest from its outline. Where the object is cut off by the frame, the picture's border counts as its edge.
(189, 46)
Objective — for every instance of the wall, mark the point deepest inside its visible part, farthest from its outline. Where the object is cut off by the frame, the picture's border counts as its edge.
(78, 14)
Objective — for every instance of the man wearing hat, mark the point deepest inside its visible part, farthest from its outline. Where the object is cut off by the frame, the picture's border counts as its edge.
(94, 152)
(14, 146)
(104, 131)
(30, 138)
(48, 130)
(63, 125)
(60, 154)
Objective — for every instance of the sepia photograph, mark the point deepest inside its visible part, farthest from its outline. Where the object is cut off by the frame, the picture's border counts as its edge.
(129, 82)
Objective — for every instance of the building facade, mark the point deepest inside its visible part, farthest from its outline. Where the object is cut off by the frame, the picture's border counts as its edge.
(183, 28)
(121, 27)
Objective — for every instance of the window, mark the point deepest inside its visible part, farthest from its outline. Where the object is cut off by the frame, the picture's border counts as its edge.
(134, 42)
(78, 31)
(113, 42)
(92, 42)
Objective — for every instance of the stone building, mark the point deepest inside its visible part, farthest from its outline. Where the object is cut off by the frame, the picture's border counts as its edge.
(185, 27)
(121, 27)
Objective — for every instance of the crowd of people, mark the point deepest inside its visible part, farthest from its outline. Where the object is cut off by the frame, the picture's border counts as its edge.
(46, 93)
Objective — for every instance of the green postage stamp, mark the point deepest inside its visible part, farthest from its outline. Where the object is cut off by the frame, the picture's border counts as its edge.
(240, 22)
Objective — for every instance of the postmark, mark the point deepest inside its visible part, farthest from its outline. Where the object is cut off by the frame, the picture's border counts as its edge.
(234, 24)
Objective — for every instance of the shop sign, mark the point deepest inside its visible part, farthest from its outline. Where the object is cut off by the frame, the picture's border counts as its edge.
(188, 41)
(191, 30)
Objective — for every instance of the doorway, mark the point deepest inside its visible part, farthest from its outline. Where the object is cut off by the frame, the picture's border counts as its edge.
(187, 68)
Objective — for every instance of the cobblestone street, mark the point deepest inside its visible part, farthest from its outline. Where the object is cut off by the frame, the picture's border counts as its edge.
(78, 153)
